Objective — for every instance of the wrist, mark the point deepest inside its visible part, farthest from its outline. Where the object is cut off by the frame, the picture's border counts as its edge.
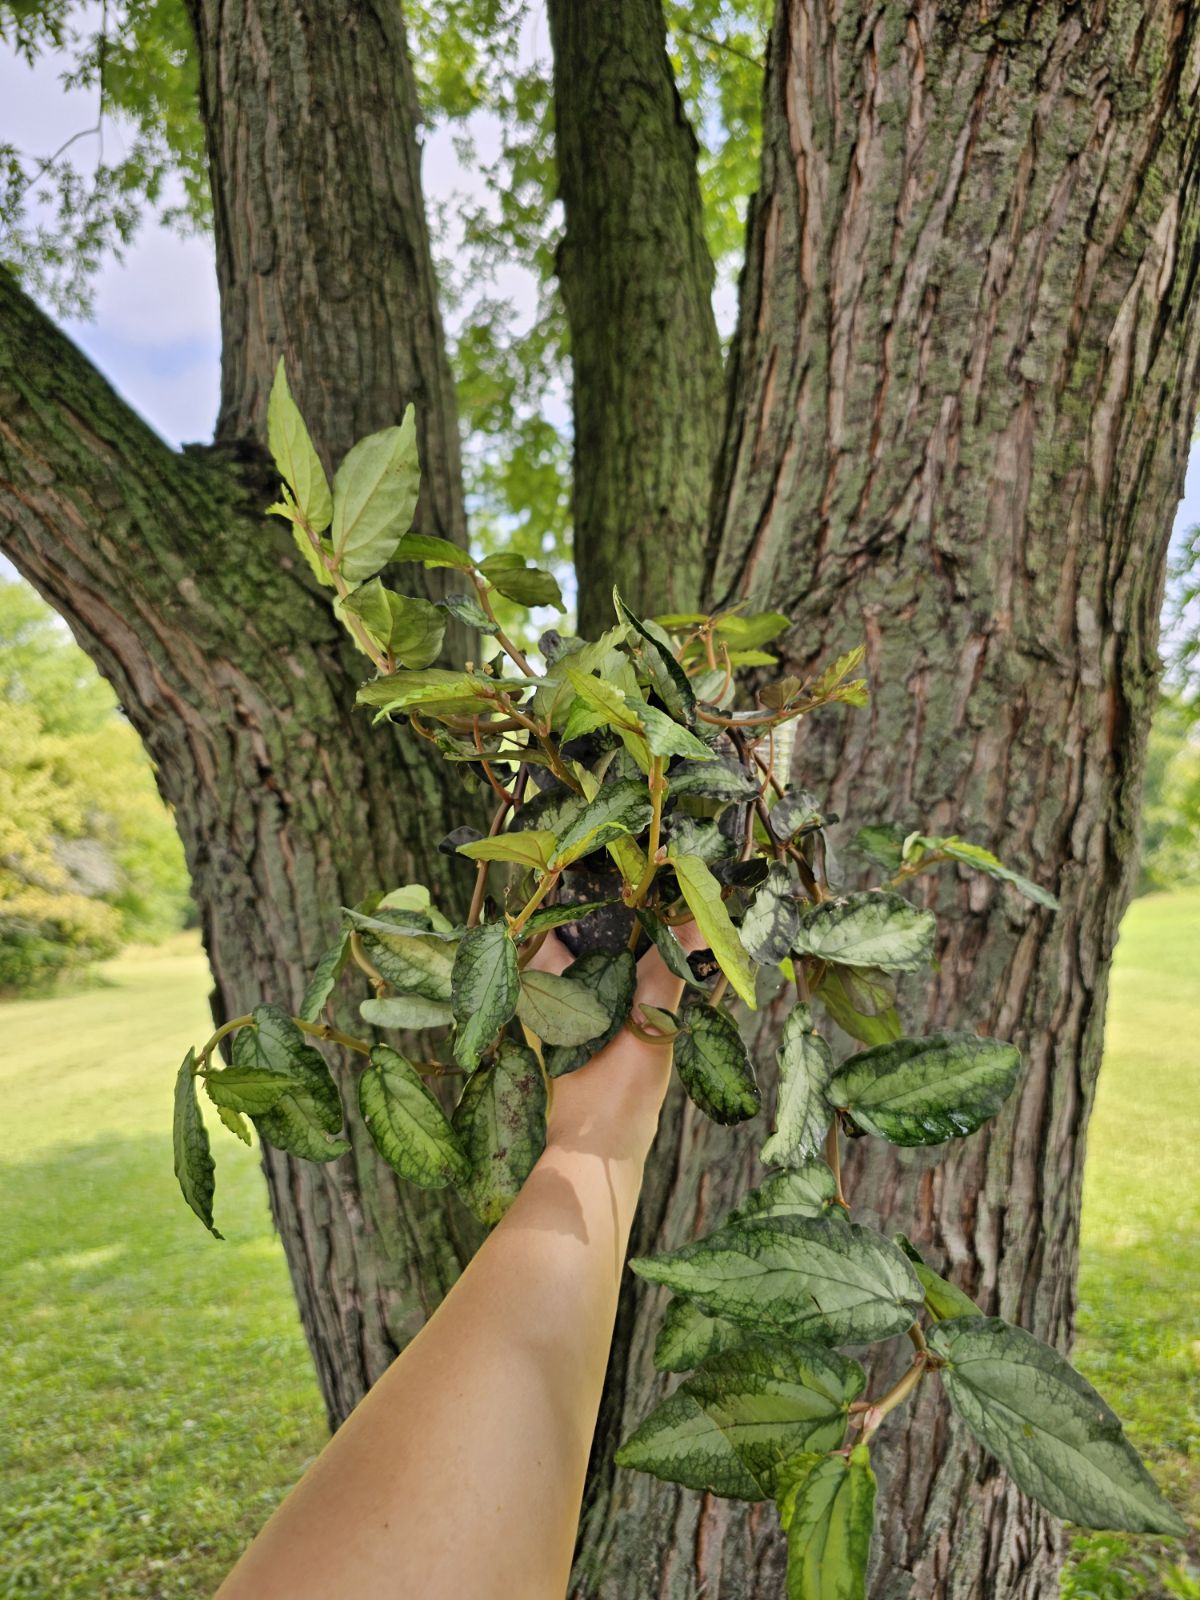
(612, 1105)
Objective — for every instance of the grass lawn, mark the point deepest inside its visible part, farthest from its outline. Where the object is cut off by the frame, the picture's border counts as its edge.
(159, 1396)
(158, 1393)
(1139, 1289)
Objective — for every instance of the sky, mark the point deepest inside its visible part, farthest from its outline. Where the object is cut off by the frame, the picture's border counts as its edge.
(155, 328)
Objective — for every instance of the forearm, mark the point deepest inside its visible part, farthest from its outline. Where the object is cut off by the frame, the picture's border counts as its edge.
(461, 1473)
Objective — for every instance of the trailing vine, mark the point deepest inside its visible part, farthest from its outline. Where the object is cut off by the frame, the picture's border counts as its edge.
(638, 788)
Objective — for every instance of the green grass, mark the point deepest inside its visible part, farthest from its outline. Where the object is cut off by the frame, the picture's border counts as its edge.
(1139, 1287)
(159, 1397)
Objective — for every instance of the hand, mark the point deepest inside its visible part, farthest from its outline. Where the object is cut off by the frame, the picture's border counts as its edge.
(616, 1098)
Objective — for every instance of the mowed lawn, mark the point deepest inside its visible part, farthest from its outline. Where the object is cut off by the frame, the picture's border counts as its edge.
(158, 1393)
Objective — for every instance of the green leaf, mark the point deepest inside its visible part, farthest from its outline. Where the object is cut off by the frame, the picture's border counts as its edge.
(307, 1117)
(974, 855)
(748, 633)
(666, 1023)
(669, 948)
(666, 737)
(735, 1424)
(942, 1298)
(434, 690)
(558, 1009)
(1058, 1439)
(298, 462)
(325, 975)
(868, 930)
(412, 961)
(714, 1065)
(525, 586)
(408, 1126)
(193, 1158)
(249, 1089)
(619, 808)
(833, 994)
(772, 918)
(547, 917)
(703, 895)
(698, 836)
(802, 1109)
(828, 1510)
(556, 695)
(468, 610)
(720, 779)
(406, 1011)
(312, 554)
(235, 1122)
(882, 844)
(841, 669)
(671, 682)
(819, 1278)
(434, 552)
(501, 1124)
(612, 980)
(614, 707)
(532, 847)
(374, 497)
(687, 1336)
(484, 989)
(412, 630)
(923, 1091)
(792, 813)
(805, 1191)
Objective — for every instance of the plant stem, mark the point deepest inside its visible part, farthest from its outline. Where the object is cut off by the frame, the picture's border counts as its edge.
(658, 791)
(361, 959)
(833, 1158)
(322, 1030)
(896, 1396)
(535, 900)
(383, 662)
(225, 1029)
(515, 656)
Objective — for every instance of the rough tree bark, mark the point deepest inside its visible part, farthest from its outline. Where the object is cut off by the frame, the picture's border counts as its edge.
(965, 386)
(202, 615)
(637, 280)
(960, 406)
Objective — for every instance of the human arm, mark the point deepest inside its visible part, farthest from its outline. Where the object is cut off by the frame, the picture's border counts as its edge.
(460, 1475)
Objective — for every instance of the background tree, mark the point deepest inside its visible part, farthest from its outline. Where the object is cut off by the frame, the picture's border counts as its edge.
(89, 856)
(959, 404)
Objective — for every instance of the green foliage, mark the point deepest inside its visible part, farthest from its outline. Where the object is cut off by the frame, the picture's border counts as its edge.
(1049, 1427)
(651, 775)
(139, 66)
(828, 1510)
(742, 1416)
(89, 857)
(1171, 800)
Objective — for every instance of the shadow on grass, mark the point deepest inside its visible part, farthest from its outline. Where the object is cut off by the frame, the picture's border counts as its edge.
(159, 1393)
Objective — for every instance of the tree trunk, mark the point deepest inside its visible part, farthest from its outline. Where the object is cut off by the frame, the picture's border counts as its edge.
(965, 385)
(637, 280)
(203, 615)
